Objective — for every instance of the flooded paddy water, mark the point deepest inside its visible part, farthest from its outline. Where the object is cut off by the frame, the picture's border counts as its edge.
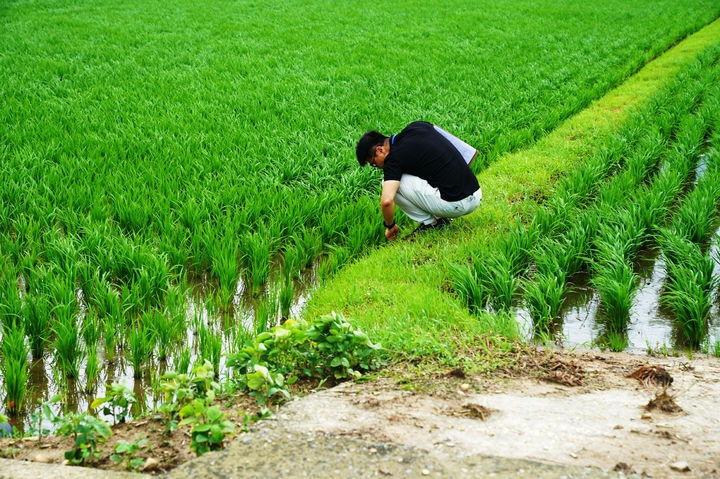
(45, 381)
(651, 325)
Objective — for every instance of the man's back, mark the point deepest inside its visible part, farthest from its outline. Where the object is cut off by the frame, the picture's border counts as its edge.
(420, 150)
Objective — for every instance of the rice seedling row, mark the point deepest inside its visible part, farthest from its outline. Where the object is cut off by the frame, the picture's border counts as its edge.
(499, 272)
(617, 225)
(689, 266)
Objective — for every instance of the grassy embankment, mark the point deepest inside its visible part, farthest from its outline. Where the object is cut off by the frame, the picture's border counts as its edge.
(398, 294)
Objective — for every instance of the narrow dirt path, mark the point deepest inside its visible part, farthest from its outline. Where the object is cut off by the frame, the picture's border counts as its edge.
(580, 413)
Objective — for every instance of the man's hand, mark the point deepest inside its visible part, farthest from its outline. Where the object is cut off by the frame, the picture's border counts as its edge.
(392, 233)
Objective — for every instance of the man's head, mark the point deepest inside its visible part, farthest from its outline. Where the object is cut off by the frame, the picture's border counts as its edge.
(372, 148)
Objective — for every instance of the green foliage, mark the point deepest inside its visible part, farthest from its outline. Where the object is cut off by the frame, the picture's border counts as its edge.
(179, 390)
(467, 285)
(68, 348)
(210, 428)
(125, 451)
(328, 345)
(141, 342)
(92, 370)
(118, 402)
(36, 417)
(36, 312)
(87, 431)
(544, 297)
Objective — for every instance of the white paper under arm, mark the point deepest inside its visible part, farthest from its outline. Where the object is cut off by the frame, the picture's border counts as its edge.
(465, 150)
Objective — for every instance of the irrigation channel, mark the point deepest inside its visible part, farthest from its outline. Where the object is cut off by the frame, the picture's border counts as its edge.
(44, 381)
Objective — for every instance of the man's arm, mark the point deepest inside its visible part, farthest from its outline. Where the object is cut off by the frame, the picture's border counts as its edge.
(387, 205)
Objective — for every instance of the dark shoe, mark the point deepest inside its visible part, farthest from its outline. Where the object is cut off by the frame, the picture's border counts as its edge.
(442, 222)
(421, 228)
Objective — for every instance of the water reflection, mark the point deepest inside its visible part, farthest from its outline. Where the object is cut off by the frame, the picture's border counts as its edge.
(651, 323)
(231, 325)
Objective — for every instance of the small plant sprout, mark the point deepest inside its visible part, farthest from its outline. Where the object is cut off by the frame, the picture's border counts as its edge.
(118, 402)
(87, 431)
(125, 451)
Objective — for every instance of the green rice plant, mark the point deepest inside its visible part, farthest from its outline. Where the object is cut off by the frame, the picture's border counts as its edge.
(680, 253)
(68, 348)
(266, 312)
(141, 343)
(308, 244)
(108, 302)
(582, 181)
(616, 340)
(109, 339)
(10, 304)
(616, 283)
(516, 246)
(552, 217)
(164, 330)
(690, 281)
(691, 306)
(646, 156)
(336, 258)
(225, 267)
(261, 317)
(15, 366)
(291, 261)
(496, 273)
(575, 245)
(36, 313)
(92, 370)
(286, 292)
(465, 283)
(182, 361)
(696, 217)
(149, 285)
(544, 298)
(255, 253)
(61, 251)
(210, 348)
(622, 232)
(92, 329)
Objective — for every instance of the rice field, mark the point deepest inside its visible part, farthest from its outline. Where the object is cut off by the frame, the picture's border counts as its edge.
(649, 196)
(176, 178)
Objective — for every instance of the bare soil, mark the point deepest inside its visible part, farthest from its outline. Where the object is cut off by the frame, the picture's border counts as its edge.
(631, 413)
(578, 409)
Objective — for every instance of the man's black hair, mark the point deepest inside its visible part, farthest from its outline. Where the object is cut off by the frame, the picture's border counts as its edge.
(369, 140)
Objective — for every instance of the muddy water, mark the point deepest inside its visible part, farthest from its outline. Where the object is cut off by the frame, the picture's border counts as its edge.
(43, 381)
(651, 324)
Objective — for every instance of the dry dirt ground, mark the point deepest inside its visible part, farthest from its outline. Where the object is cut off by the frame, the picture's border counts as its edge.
(568, 409)
(577, 409)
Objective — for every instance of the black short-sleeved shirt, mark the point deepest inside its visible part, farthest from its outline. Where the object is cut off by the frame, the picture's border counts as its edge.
(421, 151)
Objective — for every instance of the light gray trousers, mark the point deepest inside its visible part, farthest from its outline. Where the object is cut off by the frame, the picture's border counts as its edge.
(422, 202)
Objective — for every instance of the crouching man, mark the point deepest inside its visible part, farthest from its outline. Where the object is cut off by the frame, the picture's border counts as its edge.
(426, 172)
